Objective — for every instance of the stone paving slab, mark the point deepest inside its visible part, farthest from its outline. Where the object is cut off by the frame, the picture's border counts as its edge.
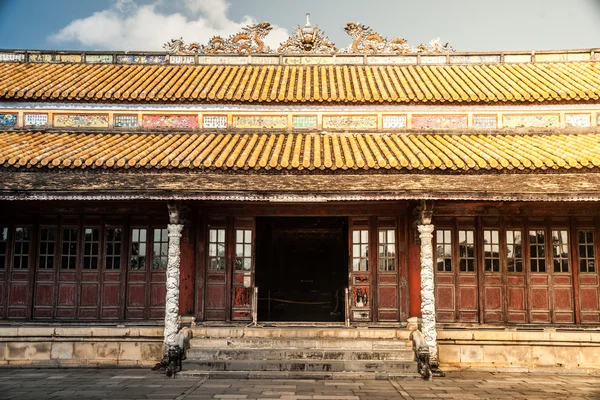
(117, 384)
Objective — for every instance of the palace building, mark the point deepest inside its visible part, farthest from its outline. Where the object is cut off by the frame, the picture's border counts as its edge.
(307, 206)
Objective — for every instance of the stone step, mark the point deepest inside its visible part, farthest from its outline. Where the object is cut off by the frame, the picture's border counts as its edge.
(287, 343)
(293, 375)
(301, 354)
(301, 332)
(302, 366)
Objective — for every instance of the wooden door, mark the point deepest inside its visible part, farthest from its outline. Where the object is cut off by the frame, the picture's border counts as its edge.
(467, 282)
(66, 288)
(20, 272)
(5, 254)
(157, 273)
(360, 238)
(243, 269)
(587, 269)
(89, 282)
(388, 295)
(561, 277)
(445, 284)
(516, 288)
(137, 271)
(493, 296)
(216, 272)
(45, 274)
(112, 271)
(538, 275)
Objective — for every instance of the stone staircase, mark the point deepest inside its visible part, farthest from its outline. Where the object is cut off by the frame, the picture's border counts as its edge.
(300, 352)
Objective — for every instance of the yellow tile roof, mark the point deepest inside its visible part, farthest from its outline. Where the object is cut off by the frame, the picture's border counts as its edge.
(300, 151)
(477, 83)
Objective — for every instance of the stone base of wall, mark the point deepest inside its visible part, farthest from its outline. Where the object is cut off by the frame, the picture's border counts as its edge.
(79, 346)
(515, 350)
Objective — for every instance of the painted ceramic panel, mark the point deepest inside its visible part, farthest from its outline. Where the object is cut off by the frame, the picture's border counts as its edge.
(491, 59)
(349, 122)
(305, 121)
(517, 58)
(348, 60)
(256, 122)
(439, 121)
(485, 121)
(12, 57)
(578, 120)
(562, 57)
(392, 60)
(48, 58)
(433, 59)
(126, 121)
(235, 60)
(182, 59)
(531, 121)
(170, 121)
(215, 121)
(8, 119)
(99, 59)
(308, 60)
(80, 121)
(394, 121)
(598, 119)
(130, 59)
(258, 60)
(35, 119)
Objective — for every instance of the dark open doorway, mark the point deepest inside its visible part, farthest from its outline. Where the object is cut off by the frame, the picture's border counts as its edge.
(301, 268)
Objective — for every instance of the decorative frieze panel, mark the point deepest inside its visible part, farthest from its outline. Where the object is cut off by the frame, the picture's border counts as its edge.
(483, 59)
(126, 121)
(433, 60)
(131, 59)
(304, 121)
(517, 58)
(8, 119)
(349, 122)
(578, 120)
(308, 60)
(263, 60)
(55, 58)
(80, 121)
(439, 121)
(170, 121)
(8, 57)
(35, 120)
(99, 59)
(232, 60)
(556, 57)
(394, 121)
(531, 121)
(260, 121)
(392, 60)
(182, 60)
(349, 60)
(214, 121)
(485, 121)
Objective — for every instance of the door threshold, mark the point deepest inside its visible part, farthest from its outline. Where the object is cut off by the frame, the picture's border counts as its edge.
(304, 324)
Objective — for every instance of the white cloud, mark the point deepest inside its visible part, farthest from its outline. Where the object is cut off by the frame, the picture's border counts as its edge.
(126, 25)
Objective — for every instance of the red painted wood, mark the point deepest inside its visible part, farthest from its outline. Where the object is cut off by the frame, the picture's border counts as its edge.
(187, 269)
(413, 254)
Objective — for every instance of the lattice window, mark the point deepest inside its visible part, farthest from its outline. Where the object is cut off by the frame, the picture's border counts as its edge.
(560, 250)
(216, 249)
(160, 249)
(3, 246)
(47, 243)
(466, 251)
(537, 251)
(215, 121)
(360, 250)
(514, 250)
(91, 248)
(69, 248)
(387, 249)
(587, 260)
(113, 248)
(443, 240)
(138, 249)
(243, 249)
(491, 250)
(21, 254)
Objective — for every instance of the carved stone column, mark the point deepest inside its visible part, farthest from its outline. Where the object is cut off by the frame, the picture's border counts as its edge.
(175, 227)
(428, 293)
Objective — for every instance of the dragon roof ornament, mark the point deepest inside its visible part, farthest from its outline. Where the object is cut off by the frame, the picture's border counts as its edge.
(307, 40)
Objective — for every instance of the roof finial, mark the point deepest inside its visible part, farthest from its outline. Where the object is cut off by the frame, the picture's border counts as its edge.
(307, 21)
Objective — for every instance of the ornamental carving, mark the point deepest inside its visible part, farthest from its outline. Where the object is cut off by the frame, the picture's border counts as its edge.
(248, 41)
(367, 41)
(307, 40)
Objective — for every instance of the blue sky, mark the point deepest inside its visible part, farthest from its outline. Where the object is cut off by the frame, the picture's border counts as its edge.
(469, 25)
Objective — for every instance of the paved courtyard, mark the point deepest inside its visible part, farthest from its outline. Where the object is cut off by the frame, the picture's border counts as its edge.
(142, 384)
